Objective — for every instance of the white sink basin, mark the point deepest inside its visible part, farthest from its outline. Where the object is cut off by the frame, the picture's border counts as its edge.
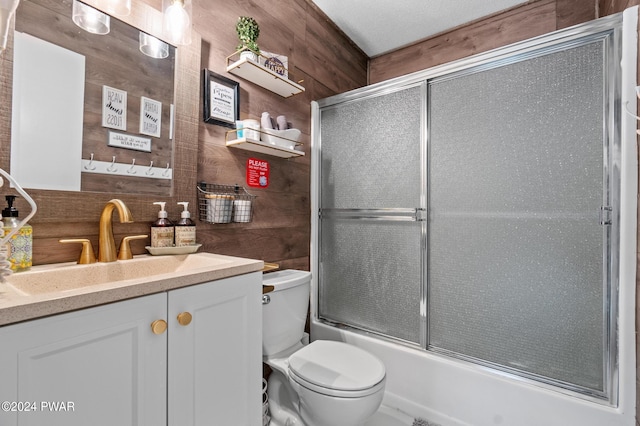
(69, 276)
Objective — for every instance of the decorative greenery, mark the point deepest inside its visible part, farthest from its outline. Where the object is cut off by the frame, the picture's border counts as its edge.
(248, 32)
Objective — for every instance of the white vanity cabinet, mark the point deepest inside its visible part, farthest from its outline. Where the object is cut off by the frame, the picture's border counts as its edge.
(215, 361)
(105, 365)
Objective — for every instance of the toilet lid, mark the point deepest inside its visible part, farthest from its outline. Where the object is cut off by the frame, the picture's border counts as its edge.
(337, 365)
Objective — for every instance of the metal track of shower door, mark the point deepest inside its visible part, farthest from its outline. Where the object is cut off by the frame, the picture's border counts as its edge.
(395, 214)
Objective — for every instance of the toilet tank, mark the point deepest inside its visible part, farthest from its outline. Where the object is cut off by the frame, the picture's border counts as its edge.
(285, 314)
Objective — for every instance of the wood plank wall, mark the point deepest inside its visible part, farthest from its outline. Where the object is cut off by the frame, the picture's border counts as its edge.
(318, 53)
(328, 63)
(513, 25)
(65, 214)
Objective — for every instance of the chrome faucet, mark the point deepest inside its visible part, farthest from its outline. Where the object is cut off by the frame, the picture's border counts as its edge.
(106, 244)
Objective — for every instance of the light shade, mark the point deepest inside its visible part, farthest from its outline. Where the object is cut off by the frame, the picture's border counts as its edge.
(176, 23)
(153, 47)
(7, 9)
(116, 7)
(90, 19)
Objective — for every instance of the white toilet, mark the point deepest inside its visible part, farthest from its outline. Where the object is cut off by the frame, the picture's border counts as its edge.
(323, 383)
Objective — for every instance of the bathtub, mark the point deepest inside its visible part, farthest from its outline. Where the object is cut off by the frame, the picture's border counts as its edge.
(449, 392)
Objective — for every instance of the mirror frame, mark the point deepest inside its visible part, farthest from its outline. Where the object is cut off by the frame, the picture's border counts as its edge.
(59, 206)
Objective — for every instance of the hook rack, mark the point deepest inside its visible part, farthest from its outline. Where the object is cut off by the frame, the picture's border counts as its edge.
(125, 169)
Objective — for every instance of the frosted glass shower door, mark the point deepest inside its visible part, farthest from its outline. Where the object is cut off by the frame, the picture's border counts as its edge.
(371, 237)
(517, 255)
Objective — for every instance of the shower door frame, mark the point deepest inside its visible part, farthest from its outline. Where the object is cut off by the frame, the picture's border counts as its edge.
(620, 129)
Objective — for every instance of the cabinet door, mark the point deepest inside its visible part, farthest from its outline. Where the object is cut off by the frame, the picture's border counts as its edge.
(97, 366)
(215, 362)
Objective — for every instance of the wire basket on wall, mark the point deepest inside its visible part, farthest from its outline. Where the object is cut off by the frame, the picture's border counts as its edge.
(224, 203)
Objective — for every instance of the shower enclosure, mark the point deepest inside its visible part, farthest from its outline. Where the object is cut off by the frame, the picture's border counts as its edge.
(474, 210)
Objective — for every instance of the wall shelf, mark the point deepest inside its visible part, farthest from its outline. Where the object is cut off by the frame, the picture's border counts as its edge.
(262, 76)
(255, 145)
(263, 148)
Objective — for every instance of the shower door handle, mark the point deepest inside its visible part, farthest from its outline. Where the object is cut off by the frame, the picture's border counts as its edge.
(605, 215)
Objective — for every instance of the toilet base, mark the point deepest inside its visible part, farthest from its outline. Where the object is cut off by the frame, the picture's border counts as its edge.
(283, 403)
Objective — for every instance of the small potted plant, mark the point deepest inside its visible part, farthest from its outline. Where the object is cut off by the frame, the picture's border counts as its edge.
(248, 32)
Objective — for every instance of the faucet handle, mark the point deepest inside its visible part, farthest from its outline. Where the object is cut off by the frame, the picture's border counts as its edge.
(87, 255)
(124, 252)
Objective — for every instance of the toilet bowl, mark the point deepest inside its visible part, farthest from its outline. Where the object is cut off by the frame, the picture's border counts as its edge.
(322, 383)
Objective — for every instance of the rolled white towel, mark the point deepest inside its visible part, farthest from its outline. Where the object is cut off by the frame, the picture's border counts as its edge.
(265, 121)
(282, 122)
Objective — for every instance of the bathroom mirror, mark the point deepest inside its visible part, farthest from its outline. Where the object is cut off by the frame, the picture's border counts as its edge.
(98, 111)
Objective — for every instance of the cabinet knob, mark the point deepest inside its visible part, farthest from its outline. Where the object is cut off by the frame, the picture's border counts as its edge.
(159, 326)
(184, 318)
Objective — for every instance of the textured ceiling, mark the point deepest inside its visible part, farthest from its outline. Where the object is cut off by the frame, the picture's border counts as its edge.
(379, 26)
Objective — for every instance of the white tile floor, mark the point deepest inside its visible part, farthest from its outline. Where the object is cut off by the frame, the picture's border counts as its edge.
(384, 417)
(389, 417)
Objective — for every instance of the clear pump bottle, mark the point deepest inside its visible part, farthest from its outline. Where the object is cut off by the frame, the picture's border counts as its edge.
(185, 228)
(162, 230)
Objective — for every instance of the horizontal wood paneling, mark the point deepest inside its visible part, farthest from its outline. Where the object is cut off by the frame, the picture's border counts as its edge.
(328, 63)
(573, 12)
(331, 60)
(521, 23)
(318, 53)
(609, 7)
(113, 60)
(63, 214)
(514, 25)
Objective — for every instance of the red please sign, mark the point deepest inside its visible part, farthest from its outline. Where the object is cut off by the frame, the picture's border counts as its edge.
(257, 173)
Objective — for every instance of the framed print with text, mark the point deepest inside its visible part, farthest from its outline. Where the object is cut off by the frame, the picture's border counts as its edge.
(221, 99)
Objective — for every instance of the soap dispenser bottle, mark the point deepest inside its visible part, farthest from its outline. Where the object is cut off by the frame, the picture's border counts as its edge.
(19, 247)
(185, 228)
(162, 230)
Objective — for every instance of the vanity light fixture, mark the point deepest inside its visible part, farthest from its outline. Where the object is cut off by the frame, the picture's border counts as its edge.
(116, 7)
(90, 19)
(153, 47)
(177, 21)
(7, 9)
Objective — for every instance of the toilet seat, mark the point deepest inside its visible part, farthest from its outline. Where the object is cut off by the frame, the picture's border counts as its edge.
(337, 369)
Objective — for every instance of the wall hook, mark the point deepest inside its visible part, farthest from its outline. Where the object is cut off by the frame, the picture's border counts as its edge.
(112, 168)
(166, 171)
(90, 165)
(131, 171)
(150, 172)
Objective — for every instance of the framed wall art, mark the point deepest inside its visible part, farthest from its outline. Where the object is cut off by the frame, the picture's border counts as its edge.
(150, 117)
(114, 108)
(221, 99)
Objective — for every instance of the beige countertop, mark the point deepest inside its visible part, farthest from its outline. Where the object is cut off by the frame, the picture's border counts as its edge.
(52, 289)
